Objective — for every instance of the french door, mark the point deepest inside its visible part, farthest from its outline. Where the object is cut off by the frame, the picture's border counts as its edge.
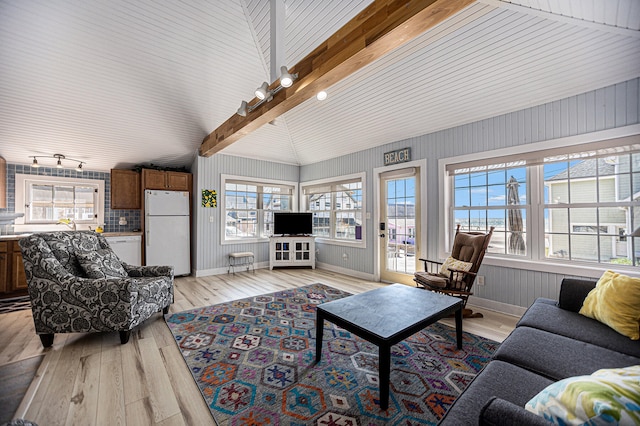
(399, 227)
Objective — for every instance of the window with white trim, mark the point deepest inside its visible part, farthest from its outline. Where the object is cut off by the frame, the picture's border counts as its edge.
(583, 202)
(47, 200)
(494, 195)
(337, 207)
(591, 203)
(249, 207)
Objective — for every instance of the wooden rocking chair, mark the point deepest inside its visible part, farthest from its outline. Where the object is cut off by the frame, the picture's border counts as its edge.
(457, 274)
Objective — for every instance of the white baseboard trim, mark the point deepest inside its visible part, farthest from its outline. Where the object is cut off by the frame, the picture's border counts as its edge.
(219, 271)
(345, 271)
(501, 307)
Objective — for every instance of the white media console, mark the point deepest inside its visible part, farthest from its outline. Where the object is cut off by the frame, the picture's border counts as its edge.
(292, 251)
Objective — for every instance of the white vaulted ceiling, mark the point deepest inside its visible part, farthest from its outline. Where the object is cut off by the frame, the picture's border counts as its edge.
(118, 83)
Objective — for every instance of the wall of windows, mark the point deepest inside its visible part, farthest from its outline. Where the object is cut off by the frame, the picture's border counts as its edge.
(582, 204)
(249, 207)
(337, 207)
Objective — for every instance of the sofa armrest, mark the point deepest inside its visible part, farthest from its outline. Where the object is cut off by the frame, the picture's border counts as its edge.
(573, 291)
(148, 271)
(498, 412)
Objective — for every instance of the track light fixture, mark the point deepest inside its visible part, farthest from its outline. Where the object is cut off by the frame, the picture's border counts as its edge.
(286, 79)
(59, 165)
(242, 111)
(262, 91)
(264, 94)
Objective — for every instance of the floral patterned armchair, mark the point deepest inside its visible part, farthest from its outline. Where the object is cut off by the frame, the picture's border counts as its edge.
(77, 284)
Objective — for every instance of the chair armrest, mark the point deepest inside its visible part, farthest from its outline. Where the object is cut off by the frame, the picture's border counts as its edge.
(498, 412)
(148, 271)
(429, 261)
(460, 271)
(431, 266)
(573, 291)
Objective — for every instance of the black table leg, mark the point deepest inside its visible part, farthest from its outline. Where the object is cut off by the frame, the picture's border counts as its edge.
(319, 333)
(384, 353)
(459, 327)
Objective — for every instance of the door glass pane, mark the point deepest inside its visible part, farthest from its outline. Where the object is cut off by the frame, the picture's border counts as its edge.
(400, 226)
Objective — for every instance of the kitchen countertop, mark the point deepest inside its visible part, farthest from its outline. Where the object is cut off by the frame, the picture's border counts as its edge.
(16, 237)
(122, 234)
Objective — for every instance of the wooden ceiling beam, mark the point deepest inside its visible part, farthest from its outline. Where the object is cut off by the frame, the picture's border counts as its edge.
(383, 26)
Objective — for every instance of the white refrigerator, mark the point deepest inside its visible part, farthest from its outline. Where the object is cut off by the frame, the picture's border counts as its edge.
(167, 230)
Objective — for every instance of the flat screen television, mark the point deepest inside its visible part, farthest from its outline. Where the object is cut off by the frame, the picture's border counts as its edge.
(292, 223)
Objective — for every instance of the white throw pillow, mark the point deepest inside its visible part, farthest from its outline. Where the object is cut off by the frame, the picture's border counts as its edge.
(452, 263)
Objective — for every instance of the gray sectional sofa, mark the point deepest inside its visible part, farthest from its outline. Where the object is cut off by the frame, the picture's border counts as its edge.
(551, 342)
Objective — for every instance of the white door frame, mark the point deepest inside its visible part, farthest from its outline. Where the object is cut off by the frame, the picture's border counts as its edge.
(422, 237)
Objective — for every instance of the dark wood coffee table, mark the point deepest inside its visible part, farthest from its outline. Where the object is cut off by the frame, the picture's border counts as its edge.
(387, 316)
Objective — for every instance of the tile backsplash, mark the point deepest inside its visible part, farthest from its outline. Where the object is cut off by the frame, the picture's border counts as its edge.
(111, 217)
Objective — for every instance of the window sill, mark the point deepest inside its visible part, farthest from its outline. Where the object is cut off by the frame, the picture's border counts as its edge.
(245, 241)
(562, 268)
(51, 227)
(344, 243)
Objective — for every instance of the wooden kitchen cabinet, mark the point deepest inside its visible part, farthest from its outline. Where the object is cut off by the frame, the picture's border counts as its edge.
(154, 179)
(18, 279)
(125, 189)
(179, 181)
(172, 181)
(4, 267)
(13, 281)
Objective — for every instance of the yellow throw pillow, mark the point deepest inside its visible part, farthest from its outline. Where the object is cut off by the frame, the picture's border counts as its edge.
(615, 302)
(452, 263)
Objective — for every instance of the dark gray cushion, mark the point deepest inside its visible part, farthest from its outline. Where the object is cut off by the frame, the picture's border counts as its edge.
(558, 357)
(544, 316)
(573, 292)
(499, 379)
(498, 412)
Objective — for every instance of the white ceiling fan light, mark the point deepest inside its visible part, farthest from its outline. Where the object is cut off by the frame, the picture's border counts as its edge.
(262, 91)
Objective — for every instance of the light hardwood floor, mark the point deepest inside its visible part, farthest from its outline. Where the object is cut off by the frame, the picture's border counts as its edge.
(88, 379)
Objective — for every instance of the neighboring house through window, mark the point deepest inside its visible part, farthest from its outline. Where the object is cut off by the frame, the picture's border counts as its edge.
(250, 204)
(337, 207)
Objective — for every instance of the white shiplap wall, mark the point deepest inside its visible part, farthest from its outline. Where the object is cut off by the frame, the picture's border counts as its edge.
(616, 13)
(492, 58)
(210, 255)
(607, 108)
(308, 23)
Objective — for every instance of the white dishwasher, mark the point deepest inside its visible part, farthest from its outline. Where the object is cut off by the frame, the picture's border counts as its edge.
(127, 248)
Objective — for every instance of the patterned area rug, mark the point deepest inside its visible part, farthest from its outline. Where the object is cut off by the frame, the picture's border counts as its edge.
(14, 304)
(253, 362)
